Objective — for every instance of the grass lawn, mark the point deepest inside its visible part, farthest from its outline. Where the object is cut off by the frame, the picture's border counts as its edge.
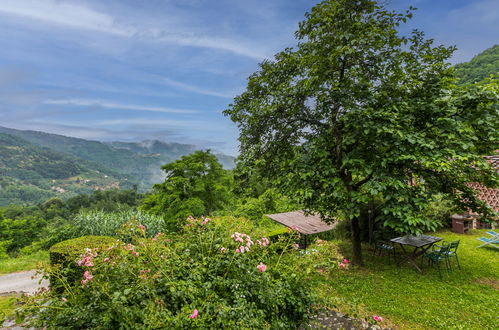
(21, 263)
(465, 299)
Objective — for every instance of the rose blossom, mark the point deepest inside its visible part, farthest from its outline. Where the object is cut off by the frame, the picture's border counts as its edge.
(261, 267)
(194, 314)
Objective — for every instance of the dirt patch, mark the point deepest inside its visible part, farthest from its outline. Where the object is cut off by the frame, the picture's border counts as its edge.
(491, 282)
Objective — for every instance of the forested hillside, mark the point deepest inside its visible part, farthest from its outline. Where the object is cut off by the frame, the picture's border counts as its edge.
(480, 67)
(35, 165)
(31, 174)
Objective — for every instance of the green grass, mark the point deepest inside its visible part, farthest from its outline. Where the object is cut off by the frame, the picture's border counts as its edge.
(465, 299)
(7, 305)
(22, 263)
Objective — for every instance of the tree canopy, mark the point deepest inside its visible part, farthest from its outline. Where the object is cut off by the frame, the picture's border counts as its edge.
(358, 111)
(195, 185)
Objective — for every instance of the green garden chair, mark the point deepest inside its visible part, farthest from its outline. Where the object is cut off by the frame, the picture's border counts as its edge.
(439, 254)
(452, 252)
(382, 247)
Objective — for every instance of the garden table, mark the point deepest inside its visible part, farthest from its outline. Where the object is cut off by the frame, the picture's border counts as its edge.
(421, 244)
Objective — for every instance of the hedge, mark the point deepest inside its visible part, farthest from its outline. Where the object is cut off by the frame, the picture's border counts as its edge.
(63, 255)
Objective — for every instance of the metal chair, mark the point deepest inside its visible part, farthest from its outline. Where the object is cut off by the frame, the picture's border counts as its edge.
(385, 247)
(453, 252)
(439, 254)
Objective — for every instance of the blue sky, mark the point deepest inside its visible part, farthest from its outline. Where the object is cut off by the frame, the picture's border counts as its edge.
(131, 70)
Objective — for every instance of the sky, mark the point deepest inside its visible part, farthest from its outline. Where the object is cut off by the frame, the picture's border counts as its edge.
(131, 70)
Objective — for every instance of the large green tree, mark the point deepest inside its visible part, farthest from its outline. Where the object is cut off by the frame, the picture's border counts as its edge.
(195, 185)
(358, 111)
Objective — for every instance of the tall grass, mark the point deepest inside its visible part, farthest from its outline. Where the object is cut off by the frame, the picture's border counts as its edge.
(107, 224)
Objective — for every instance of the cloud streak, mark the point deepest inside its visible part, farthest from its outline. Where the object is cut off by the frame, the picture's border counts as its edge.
(112, 105)
(195, 89)
(82, 17)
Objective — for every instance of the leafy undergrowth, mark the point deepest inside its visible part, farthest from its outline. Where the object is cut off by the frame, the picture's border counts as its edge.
(465, 299)
(22, 263)
(6, 307)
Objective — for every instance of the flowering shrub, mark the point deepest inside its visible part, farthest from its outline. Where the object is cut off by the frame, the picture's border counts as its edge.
(206, 276)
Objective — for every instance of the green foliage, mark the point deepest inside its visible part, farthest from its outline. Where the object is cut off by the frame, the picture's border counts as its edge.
(18, 233)
(480, 67)
(108, 224)
(7, 305)
(269, 202)
(31, 228)
(195, 185)
(359, 112)
(160, 282)
(64, 254)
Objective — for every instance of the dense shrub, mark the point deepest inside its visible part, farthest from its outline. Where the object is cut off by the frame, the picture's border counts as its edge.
(199, 278)
(63, 256)
(18, 233)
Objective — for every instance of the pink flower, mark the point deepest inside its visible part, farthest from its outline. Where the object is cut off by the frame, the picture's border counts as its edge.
(134, 253)
(106, 259)
(86, 261)
(345, 261)
(223, 250)
(142, 228)
(321, 270)
(242, 249)
(261, 267)
(64, 299)
(194, 314)
(206, 220)
(377, 318)
(87, 277)
(342, 265)
(156, 236)
(238, 251)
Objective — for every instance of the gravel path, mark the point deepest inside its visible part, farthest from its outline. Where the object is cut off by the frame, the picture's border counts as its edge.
(21, 282)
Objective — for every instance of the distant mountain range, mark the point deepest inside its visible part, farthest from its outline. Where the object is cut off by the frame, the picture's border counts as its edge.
(35, 165)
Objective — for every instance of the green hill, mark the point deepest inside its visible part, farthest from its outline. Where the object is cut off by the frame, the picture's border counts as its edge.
(481, 66)
(36, 165)
(31, 174)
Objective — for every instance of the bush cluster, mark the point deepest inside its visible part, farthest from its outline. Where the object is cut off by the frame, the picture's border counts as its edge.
(206, 276)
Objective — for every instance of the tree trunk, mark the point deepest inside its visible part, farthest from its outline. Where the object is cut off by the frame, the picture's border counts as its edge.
(356, 247)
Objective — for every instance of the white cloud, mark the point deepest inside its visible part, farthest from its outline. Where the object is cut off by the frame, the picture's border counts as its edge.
(113, 105)
(195, 89)
(483, 13)
(82, 17)
(57, 12)
(141, 123)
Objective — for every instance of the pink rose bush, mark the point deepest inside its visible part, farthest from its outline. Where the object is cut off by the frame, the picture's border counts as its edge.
(208, 274)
